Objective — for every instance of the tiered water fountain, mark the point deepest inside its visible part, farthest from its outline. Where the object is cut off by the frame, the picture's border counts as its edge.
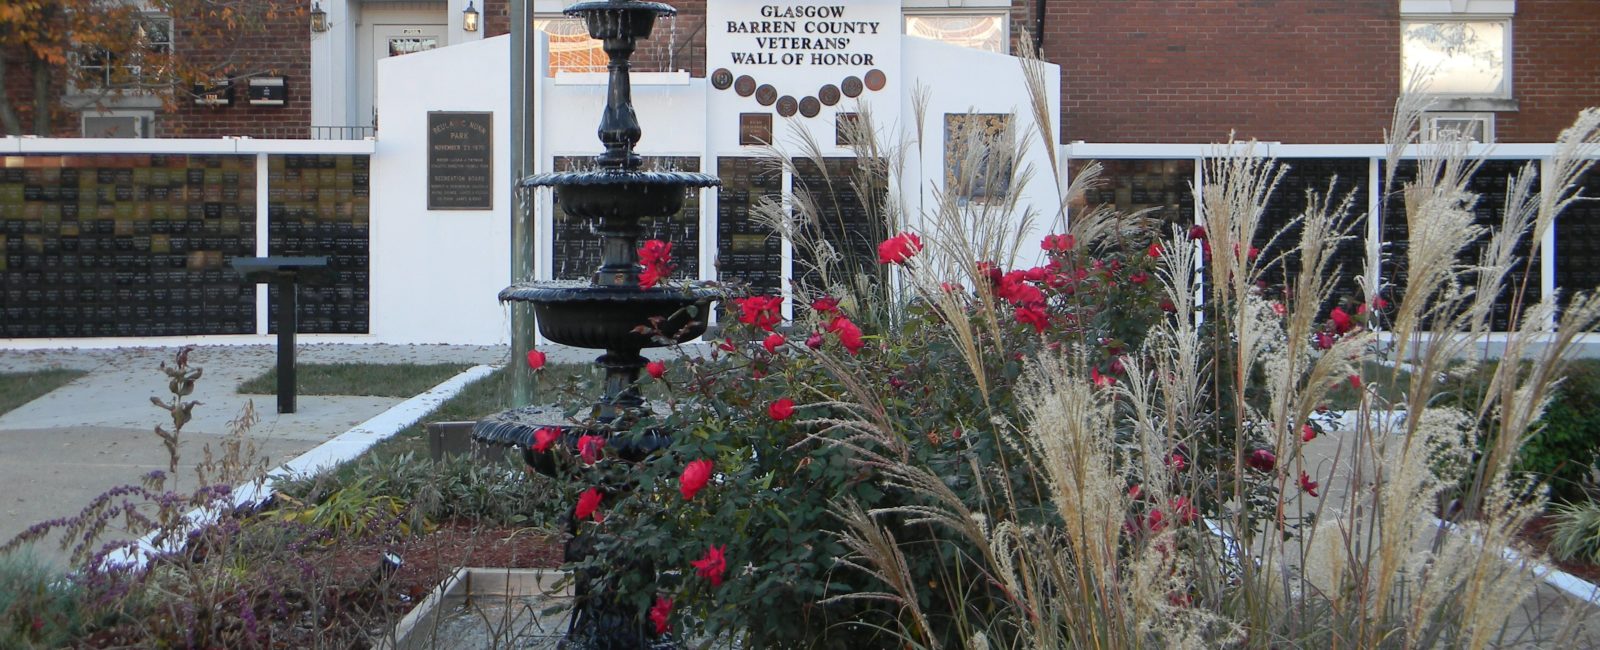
(606, 312)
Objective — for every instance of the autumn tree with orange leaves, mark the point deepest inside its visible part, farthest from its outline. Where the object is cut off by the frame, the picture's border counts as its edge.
(105, 48)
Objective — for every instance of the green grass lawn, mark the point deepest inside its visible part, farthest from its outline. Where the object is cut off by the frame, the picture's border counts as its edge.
(491, 395)
(387, 380)
(18, 388)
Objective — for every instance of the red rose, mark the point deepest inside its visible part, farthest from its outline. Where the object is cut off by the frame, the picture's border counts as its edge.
(899, 248)
(1324, 340)
(1033, 315)
(655, 251)
(536, 359)
(589, 447)
(588, 503)
(1059, 243)
(1155, 250)
(1341, 320)
(1100, 381)
(1355, 382)
(1307, 484)
(781, 409)
(1307, 433)
(760, 311)
(814, 341)
(544, 437)
(1262, 459)
(1197, 232)
(849, 334)
(713, 565)
(694, 477)
(660, 613)
(1014, 288)
(772, 342)
(825, 304)
(650, 277)
(656, 369)
(1184, 510)
(1139, 278)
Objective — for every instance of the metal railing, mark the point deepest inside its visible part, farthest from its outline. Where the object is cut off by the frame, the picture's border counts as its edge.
(343, 132)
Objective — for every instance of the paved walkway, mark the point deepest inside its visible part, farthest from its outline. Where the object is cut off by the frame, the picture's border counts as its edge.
(59, 451)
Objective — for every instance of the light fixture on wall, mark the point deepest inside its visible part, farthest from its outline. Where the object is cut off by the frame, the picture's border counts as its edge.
(319, 18)
(469, 18)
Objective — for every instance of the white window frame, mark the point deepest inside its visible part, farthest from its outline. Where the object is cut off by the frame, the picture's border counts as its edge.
(1430, 125)
(1477, 11)
(146, 120)
(103, 73)
(961, 8)
(557, 15)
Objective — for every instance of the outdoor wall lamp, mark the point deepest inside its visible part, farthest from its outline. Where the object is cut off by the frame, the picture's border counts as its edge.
(319, 18)
(469, 18)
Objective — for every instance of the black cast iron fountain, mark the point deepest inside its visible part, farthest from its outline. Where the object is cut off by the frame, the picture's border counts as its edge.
(607, 312)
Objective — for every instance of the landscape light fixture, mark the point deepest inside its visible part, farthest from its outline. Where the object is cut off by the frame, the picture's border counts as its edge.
(469, 18)
(319, 18)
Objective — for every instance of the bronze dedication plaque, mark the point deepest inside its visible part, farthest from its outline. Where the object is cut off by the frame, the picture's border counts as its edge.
(460, 160)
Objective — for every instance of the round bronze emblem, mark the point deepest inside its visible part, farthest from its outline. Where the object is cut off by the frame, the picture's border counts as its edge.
(721, 79)
(809, 107)
(851, 86)
(766, 94)
(745, 85)
(875, 79)
(787, 105)
(829, 95)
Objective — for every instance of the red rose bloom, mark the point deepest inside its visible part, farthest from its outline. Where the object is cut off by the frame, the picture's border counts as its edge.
(772, 342)
(650, 277)
(1341, 320)
(1355, 382)
(1307, 433)
(588, 503)
(825, 304)
(656, 369)
(536, 359)
(544, 437)
(1154, 250)
(713, 565)
(760, 311)
(899, 248)
(849, 334)
(656, 257)
(814, 341)
(589, 447)
(660, 613)
(1262, 459)
(1059, 243)
(694, 477)
(1033, 315)
(781, 409)
(1100, 381)
(1307, 484)
(1197, 232)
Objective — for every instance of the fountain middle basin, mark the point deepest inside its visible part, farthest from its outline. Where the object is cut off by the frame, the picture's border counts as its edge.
(583, 315)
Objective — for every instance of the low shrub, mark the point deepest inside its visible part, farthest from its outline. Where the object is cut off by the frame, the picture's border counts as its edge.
(1575, 532)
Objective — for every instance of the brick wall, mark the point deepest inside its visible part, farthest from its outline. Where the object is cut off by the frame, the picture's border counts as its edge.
(19, 89)
(1555, 69)
(1191, 71)
(496, 18)
(282, 47)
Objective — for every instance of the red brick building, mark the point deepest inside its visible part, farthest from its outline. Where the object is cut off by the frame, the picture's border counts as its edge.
(1173, 71)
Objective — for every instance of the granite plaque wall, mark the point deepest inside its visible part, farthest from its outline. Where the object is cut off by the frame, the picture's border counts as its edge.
(576, 244)
(125, 245)
(851, 224)
(319, 205)
(748, 251)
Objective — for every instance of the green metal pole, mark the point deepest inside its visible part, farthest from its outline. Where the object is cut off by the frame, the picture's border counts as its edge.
(524, 158)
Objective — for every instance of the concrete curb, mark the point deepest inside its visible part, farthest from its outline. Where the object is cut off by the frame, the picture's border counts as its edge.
(342, 448)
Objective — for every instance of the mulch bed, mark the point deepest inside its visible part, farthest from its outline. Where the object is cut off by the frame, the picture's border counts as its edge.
(1537, 533)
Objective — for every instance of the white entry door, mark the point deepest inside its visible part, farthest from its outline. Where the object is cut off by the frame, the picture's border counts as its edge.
(394, 40)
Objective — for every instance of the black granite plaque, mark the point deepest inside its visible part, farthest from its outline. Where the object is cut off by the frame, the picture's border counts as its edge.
(460, 161)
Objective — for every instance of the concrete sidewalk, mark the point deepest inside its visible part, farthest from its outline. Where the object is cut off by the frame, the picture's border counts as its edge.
(59, 451)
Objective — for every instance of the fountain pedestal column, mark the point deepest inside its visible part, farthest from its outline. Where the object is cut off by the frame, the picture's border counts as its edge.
(605, 314)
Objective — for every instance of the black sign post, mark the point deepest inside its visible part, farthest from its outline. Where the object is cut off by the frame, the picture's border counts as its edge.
(460, 161)
(286, 272)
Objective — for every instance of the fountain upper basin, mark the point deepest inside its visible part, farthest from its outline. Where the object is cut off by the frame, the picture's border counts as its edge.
(611, 193)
